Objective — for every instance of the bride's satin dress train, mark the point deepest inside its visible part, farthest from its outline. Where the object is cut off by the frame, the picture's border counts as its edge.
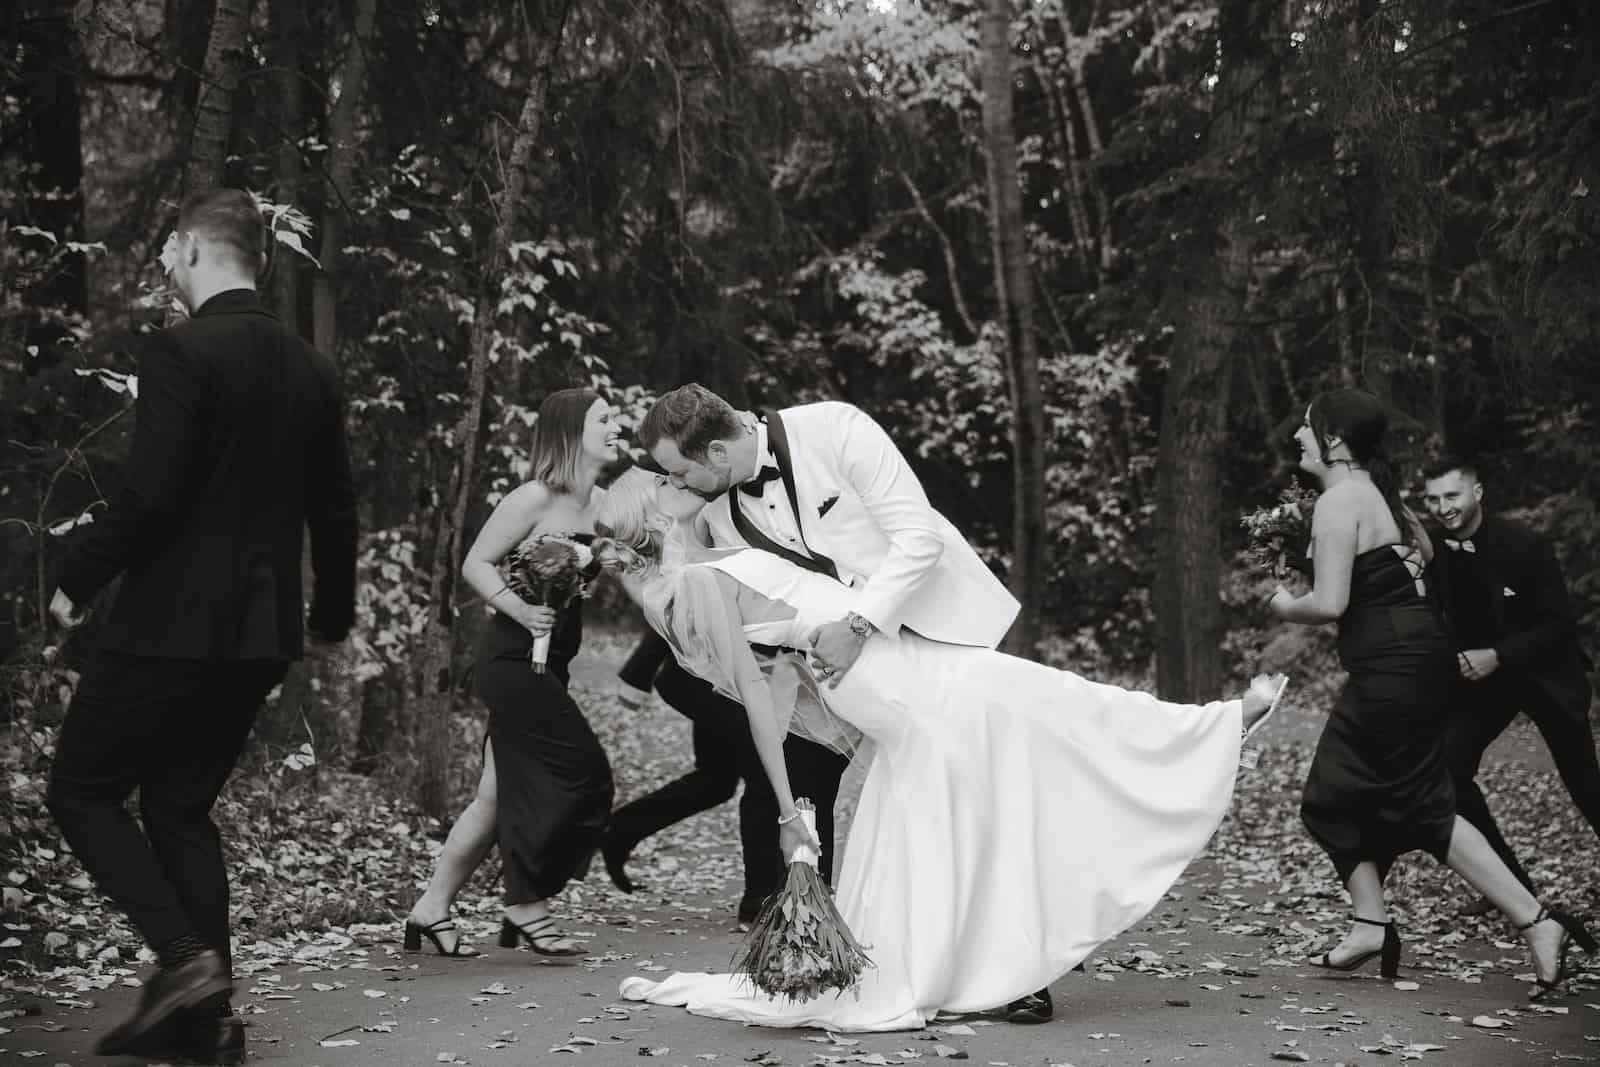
(1013, 818)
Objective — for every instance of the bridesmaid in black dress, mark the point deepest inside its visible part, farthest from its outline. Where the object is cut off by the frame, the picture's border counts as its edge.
(1379, 784)
(546, 789)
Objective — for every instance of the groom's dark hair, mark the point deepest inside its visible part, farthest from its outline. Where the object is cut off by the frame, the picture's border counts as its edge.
(691, 416)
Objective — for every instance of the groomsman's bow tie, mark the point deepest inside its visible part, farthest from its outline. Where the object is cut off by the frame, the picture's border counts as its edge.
(1463, 545)
(756, 485)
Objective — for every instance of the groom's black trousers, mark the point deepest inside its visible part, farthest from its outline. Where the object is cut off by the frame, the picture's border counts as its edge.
(724, 753)
(173, 729)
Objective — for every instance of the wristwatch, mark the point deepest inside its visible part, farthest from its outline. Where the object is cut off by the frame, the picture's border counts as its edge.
(860, 625)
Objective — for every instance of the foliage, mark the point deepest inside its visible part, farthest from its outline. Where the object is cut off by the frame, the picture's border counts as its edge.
(789, 205)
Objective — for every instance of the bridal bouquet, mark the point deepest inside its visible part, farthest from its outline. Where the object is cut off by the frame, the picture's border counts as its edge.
(551, 570)
(800, 946)
(1277, 537)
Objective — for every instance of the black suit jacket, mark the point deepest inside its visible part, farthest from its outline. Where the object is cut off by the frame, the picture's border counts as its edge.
(239, 445)
(1535, 625)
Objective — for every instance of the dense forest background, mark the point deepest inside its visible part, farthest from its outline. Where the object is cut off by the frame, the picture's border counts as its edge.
(1090, 309)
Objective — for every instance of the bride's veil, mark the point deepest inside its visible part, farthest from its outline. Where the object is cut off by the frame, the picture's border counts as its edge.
(683, 603)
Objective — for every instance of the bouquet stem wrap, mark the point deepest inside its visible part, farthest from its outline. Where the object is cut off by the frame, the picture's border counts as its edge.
(540, 654)
(805, 853)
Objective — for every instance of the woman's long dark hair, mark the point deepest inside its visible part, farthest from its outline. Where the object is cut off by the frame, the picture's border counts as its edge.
(1358, 419)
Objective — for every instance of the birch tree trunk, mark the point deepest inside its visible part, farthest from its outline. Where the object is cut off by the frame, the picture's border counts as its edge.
(213, 112)
(433, 678)
(1013, 285)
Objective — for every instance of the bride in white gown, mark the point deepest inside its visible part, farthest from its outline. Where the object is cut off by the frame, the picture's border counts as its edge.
(1013, 816)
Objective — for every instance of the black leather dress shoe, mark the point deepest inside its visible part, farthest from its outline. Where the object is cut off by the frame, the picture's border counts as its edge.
(198, 986)
(1033, 1008)
(615, 855)
(207, 1042)
(200, 1037)
(750, 909)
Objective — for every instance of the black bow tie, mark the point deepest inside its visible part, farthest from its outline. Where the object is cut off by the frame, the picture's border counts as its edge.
(755, 486)
(1463, 545)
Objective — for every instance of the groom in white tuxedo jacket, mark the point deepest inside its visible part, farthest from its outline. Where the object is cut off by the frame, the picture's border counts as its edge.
(824, 486)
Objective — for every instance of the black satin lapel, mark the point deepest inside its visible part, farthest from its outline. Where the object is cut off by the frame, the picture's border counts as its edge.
(756, 539)
(778, 442)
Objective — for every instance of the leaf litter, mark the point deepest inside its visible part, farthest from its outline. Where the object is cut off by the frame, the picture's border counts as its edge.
(324, 896)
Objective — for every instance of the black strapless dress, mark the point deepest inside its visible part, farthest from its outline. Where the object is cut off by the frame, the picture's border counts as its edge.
(553, 780)
(1380, 784)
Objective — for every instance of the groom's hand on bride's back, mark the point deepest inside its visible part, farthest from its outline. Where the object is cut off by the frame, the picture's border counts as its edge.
(835, 647)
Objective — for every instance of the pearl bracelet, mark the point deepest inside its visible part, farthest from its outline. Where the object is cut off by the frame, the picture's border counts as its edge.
(791, 817)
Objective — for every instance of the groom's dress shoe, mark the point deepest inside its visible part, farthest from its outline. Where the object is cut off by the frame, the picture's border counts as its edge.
(196, 986)
(202, 1038)
(211, 1041)
(615, 855)
(1033, 1008)
(750, 909)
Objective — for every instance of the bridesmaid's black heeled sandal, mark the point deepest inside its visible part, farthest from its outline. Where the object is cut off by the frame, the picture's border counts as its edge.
(1388, 966)
(1572, 931)
(415, 932)
(538, 935)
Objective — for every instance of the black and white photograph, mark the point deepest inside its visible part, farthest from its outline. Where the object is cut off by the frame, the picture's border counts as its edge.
(1050, 533)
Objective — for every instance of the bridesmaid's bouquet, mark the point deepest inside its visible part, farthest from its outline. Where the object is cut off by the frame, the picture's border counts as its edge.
(800, 946)
(1277, 537)
(551, 570)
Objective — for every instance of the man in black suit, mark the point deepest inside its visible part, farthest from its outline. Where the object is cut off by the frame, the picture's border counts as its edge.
(1513, 621)
(724, 752)
(238, 446)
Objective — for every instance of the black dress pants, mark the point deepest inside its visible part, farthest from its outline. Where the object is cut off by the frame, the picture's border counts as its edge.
(172, 729)
(1483, 711)
(724, 753)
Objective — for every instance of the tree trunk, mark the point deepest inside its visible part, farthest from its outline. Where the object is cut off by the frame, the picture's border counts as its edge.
(287, 28)
(298, 709)
(433, 681)
(1077, 207)
(341, 164)
(1091, 128)
(377, 721)
(1013, 286)
(213, 113)
(51, 139)
(951, 269)
(1205, 298)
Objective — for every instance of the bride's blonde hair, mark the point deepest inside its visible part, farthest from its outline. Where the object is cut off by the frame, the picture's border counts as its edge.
(624, 518)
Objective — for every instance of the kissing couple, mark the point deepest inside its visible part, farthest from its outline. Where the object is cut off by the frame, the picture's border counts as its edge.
(1013, 816)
